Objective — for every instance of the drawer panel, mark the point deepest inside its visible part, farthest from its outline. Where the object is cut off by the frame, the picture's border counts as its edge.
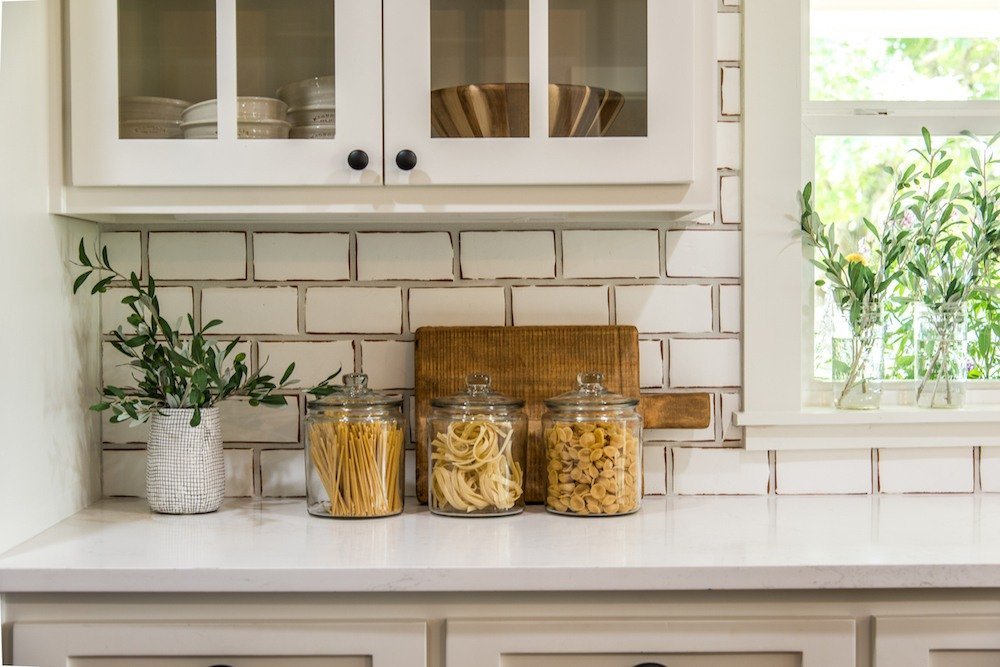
(197, 644)
(965, 658)
(664, 659)
(621, 642)
(230, 661)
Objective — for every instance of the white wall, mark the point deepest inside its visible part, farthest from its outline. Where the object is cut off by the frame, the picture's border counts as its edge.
(49, 443)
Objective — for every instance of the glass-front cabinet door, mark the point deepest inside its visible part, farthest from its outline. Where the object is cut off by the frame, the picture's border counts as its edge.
(226, 92)
(539, 91)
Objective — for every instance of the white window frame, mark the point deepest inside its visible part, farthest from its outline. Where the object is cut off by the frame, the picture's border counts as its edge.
(781, 410)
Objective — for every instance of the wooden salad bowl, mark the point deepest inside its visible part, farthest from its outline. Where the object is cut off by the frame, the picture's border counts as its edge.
(501, 110)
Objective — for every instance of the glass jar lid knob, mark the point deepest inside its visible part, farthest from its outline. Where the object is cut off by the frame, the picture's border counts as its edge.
(591, 382)
(477, 384)
(355, 384)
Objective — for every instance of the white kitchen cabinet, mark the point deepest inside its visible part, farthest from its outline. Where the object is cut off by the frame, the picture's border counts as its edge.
(654, 154)
(197, 50)
(641, 49)
(205, 644)
(937, 641)
(620, 642)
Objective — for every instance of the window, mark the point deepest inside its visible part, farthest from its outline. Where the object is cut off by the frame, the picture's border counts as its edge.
(832, 106)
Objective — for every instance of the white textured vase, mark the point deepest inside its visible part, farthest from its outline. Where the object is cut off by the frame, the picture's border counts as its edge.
(185, 470)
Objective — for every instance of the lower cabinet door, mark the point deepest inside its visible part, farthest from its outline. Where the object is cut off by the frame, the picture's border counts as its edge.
(937, 641)
(590, 642)
(291, 644)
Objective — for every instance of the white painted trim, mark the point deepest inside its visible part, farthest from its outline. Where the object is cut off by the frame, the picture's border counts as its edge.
(780, 128)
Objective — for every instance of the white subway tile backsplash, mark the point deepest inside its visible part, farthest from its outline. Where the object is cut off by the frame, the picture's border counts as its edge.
(705, 363)
(176, 303)
(388, 363)
(251, 310)
(124, 251)
(198, 255)
(727, 147)
(650, 363)
(665, 308)
(730, 200)
(654, 470)
(703, 254)
(541, 306)
(731, 404)
(931, 470)
(732, 93)
(839, 471)
(314, 361)
(989, 469)
(703, 471)
(730, 308)
(354, 310)
(729, 42)
(618, 253)
(241, 422)
(449, 307)
(492, 255)
(123, 472)
(301, 256)
(405, 256)
(283, 473)
(239, 473)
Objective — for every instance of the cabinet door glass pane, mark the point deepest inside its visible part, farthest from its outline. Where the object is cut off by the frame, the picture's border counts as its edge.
(597, 68)
(479, 68)
(886, 50)
(166, 63)
(285, 69)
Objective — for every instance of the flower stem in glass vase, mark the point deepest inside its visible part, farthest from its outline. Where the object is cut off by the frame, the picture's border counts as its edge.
(941, 358)
(858, 360)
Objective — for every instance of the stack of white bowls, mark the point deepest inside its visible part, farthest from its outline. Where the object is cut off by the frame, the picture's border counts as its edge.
(311, 107)
(256, 118)
(150, 117)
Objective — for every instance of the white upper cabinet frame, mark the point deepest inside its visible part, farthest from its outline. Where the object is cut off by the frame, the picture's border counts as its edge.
(100, 158)
(780, 127)
(664, 156)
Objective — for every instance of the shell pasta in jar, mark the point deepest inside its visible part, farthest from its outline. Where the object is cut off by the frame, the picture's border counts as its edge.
(593, 445)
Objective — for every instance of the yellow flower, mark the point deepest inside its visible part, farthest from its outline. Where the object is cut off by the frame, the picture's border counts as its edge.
(856, 258)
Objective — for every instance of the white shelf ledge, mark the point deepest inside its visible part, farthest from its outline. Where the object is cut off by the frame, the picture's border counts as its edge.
(896, 426)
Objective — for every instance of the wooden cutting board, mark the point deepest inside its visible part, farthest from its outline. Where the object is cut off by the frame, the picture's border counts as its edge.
(535, 363)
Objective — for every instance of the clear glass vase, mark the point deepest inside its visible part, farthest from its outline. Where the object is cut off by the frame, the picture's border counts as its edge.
(858, 363)
(942, 357)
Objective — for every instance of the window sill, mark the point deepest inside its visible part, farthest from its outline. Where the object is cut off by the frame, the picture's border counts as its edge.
(895, 426)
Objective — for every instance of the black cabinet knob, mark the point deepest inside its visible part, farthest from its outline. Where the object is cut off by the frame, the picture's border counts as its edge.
(406, 160)
(357, 160)
(650, 664)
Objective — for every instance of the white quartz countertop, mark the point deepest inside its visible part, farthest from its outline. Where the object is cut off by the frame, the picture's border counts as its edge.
(674, 543)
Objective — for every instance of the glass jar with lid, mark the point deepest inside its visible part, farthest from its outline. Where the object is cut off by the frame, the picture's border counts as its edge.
(354, 452)
(593, 446)
(477, 452)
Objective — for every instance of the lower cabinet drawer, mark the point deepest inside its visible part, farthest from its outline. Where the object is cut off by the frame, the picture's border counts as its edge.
(589, 642)
(937, 641)
(286, 644)
(658, 660)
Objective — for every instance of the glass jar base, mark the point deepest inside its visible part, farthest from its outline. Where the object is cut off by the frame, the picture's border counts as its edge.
(481, 514)
(322, 510)
(588, 515)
